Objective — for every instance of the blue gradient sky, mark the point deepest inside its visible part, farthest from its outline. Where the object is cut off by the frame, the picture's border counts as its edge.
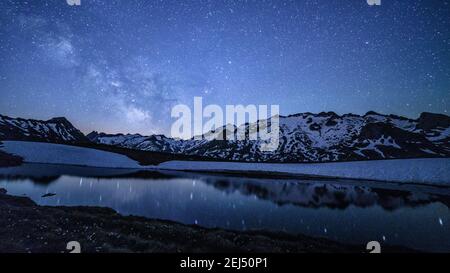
(119, 66)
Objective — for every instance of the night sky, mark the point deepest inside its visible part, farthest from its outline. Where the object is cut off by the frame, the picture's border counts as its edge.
(119, 66)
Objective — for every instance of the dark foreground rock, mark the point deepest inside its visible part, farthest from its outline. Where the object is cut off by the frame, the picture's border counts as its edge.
(8, 160)
(27, 227)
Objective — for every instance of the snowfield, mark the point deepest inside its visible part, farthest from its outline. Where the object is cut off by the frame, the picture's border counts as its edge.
(426, 171)
(38, 152)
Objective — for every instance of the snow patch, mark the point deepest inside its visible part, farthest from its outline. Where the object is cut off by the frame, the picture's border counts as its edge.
(37, 152)
(426, 171)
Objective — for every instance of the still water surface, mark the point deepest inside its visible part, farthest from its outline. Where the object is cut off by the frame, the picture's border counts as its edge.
(347, 211)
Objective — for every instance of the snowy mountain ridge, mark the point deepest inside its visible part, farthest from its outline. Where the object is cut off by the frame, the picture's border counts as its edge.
(57, 130)
(308, 137)
(304, 137)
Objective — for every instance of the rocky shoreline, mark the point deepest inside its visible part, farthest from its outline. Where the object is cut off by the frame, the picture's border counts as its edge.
(28, 227)
(9, 160)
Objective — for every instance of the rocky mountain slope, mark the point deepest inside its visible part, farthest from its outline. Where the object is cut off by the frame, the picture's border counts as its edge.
(308, 137)
(56, 130)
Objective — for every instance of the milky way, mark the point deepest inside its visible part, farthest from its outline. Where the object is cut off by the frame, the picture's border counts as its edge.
(120, 66)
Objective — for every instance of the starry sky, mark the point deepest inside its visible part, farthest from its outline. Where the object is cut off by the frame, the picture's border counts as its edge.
(121, 65)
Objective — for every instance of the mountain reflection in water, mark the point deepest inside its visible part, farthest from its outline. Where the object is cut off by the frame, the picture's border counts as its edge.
(352, 211)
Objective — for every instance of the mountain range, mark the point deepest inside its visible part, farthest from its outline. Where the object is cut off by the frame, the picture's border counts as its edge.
(55, 130)
(304, 137)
